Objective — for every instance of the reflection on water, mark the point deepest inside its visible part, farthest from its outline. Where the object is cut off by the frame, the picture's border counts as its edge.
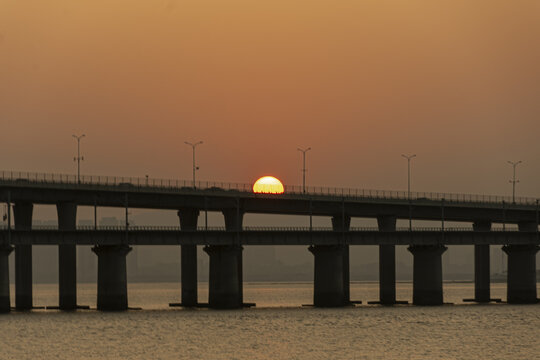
(277, 328)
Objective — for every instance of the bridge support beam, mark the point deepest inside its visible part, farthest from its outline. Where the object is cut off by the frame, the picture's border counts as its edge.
(328, 289)
(112, 277)
(22, 211)
(343, 223)
(481, 266)
(427, 274)
(225, 285)
(5, 302)
(67, 258)
(387, 263)
(188, 222)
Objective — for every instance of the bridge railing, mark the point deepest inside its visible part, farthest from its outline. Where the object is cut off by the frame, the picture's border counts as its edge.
(175, 185)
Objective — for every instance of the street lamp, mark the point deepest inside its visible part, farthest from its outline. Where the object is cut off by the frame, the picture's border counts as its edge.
(79, 157)
(514, 181)
(304, 151)
(195, 168)
(409, 157)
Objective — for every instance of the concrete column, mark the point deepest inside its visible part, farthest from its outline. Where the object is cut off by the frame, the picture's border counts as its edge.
(521, 288)
(234, 218)
(328, 289)
(225, 288)
(521, 281)
(481, 266)
(67, 258)
(387, 263)
(22, 212)
(112, 277)
(188, 222)
(5, 303)
(427, 274)
(343, 223)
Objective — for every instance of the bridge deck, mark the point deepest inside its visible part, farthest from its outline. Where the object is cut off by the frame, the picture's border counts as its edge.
(217, 196)
(264, 237)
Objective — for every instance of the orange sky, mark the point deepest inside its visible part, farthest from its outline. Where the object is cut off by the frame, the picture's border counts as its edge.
(456, 82)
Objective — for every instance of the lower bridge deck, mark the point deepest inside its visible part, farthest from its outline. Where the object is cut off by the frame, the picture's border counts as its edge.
(266, 237)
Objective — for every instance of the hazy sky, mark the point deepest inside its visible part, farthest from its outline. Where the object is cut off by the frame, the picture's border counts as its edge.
(456, 82)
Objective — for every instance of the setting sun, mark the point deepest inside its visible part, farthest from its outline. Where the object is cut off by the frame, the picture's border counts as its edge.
(268, 185)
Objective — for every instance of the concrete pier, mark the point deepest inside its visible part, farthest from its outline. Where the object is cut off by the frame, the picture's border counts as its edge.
(521, 279)
(343, 223)
(481, 266)
(387, 263)
(427, 274)
(188, 222)
(22, 212)
(328, 287)
(5, 302)
(112, 277)
(234, 219)
(67, 258)
(225, 287)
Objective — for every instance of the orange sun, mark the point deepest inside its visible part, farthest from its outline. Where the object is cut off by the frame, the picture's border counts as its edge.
(268, 185)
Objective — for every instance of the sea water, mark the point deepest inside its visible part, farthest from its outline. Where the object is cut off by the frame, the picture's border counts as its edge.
(279, 327)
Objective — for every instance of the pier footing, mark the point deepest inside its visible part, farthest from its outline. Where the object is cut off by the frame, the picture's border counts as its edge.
(521, 287)
(225, 289)
(427, 274)
(112, 277)
(328, 288)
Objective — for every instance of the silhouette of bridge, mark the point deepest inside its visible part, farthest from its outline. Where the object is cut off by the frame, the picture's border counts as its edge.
(330, 246)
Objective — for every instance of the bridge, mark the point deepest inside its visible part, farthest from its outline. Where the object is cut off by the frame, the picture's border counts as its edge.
(330, 247)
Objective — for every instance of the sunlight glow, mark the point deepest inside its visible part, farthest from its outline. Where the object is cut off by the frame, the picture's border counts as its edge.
(268, 185)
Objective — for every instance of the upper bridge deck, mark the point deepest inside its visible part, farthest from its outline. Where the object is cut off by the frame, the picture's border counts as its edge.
(39, 188)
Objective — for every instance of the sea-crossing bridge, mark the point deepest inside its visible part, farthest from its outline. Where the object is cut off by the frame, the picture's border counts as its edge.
(330, 247)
